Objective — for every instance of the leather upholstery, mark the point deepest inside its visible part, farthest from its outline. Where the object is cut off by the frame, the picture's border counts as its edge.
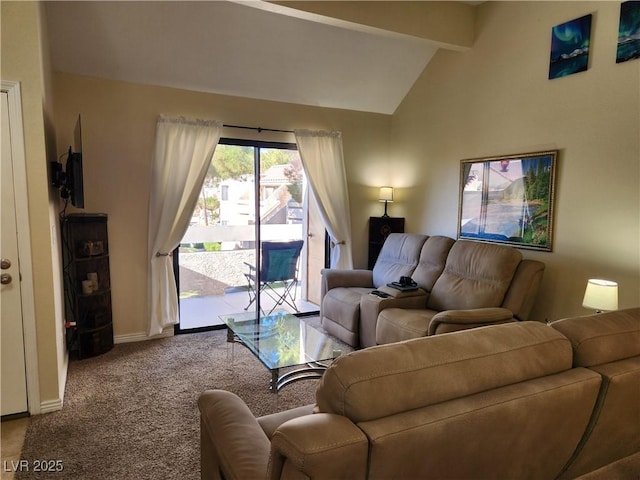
(475, 438)
(603, 338)
(398, 324)
(345, 305)
(319, 446)
(517, 400)
(476, 275)
(371, 306)
(608, 344)
(456, 320)
(395, 325)
(373, 383)
(433, 258)
(232, 421)
(398, 258)
(452, 275)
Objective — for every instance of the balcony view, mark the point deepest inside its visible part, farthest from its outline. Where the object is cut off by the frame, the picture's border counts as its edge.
(216, 253)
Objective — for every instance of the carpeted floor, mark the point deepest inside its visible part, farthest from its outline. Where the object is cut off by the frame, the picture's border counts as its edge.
(132, 413)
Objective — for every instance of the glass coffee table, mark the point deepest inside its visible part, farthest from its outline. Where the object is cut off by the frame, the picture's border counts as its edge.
(283, 341)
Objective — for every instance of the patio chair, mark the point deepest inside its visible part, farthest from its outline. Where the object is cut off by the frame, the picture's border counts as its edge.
(278, 274)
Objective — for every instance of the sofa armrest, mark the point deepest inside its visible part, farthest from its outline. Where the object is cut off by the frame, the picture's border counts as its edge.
(271, 422)
(454, 320)
(231, 440)
(395, 293)
(334, 278)
(371, 306)
(322, 445)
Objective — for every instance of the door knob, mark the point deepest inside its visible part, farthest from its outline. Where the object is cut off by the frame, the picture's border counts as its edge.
(5, 263)
(5, 279)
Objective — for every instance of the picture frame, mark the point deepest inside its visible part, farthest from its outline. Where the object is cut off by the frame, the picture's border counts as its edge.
(508, 199)
(570, 44)
(628, 32)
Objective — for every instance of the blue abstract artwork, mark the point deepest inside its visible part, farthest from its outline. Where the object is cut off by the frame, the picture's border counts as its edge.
(629, 32)
(570, 47)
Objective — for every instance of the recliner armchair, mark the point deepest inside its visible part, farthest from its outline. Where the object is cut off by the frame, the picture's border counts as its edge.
(521, 400)
(462, 284)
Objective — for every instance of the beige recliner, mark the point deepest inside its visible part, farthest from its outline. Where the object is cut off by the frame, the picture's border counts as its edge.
(463, 284)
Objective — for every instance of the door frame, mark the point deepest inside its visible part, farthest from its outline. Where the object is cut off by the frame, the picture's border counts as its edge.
(23, 231)
(256, 145)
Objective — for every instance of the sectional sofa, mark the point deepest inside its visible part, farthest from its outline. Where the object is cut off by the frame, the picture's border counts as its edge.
(462, 284)
(517, 400)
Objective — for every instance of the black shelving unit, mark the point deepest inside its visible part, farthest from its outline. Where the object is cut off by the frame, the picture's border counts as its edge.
(85, 255)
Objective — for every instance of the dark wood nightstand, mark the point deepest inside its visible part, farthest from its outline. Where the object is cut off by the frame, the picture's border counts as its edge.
(379, 230)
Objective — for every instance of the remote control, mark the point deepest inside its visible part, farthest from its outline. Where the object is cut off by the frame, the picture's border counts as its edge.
(380, 294)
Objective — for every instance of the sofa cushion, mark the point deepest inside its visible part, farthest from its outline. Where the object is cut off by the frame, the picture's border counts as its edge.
(388, 379)
(603, 338)
(433, 258)
(399, 324)
(523, 431)
(398, 257)
(476, 275)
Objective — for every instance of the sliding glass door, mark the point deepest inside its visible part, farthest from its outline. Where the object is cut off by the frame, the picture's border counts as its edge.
(254, 193)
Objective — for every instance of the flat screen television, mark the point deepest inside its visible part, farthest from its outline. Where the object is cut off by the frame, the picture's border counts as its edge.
(74, 180)
(71, 181)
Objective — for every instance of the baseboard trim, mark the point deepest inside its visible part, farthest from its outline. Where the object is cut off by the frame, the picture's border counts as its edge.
(141, 337)
(55, 405)
(51, 406)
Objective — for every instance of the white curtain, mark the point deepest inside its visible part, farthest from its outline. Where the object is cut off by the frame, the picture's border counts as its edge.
(321, 154)
(183, 153)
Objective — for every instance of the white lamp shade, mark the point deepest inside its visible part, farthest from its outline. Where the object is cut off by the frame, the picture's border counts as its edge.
(601, 295)
(386, 194)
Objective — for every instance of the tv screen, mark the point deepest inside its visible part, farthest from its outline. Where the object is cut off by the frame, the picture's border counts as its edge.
(73, 187)
(74, 180)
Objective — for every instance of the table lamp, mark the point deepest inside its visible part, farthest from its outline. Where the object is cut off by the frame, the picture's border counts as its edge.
(386, 196)
(602, 295)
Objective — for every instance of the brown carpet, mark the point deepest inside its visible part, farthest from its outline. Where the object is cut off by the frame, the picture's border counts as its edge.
(132, 413)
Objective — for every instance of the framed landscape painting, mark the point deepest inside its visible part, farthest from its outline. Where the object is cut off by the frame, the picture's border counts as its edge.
(508, 199)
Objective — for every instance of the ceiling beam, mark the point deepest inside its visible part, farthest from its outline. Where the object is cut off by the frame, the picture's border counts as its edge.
(446, 24)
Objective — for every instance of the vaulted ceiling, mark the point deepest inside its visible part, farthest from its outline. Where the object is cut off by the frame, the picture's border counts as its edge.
(354, 55)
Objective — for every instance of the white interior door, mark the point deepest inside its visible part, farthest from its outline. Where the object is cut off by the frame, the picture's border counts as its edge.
(14, 381)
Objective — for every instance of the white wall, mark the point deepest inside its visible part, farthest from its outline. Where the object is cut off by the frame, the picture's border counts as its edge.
(25, 60)
(496, 99)
(118, 129)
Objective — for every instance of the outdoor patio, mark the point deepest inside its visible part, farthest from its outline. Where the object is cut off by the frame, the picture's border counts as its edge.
(214, 284)
(205, 311)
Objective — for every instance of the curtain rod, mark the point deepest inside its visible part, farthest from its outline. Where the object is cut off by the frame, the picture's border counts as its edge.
(258, 129)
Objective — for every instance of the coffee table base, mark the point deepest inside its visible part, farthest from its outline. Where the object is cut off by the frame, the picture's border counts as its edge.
(312, 370)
